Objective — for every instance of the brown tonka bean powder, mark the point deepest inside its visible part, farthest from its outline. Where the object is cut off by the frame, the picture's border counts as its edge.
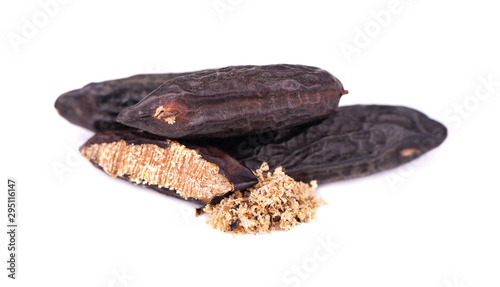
(276, 202)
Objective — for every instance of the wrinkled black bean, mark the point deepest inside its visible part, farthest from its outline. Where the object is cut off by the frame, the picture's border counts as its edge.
(354, 141)
(237, 100)
(96, 105)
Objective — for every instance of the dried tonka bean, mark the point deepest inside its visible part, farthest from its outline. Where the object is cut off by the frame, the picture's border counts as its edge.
(96, 105)
(237, 100)
(199, 173)
(354, 141)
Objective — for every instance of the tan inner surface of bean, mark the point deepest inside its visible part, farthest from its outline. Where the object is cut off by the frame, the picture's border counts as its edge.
(166, 114)
(176, 167)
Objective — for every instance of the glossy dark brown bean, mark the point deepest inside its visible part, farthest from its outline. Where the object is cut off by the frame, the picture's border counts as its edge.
(96, 105)
(237, 100)
(354, 141)
(195, 172)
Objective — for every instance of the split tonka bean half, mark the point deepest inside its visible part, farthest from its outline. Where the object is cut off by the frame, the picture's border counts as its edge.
(194, 172)
(237, 100)
(354, 141)
(96, 105)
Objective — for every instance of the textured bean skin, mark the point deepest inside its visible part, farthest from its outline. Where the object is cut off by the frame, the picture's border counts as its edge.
(96, 105)
(240, 176)
(354, 141)
(236, 100)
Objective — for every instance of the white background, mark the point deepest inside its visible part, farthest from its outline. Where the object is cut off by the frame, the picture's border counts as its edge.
(433, 222)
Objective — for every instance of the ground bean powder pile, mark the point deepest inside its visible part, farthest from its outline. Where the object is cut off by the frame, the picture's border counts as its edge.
(276, 202)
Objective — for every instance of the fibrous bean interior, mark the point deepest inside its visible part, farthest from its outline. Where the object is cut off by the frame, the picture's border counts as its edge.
(176, 167)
